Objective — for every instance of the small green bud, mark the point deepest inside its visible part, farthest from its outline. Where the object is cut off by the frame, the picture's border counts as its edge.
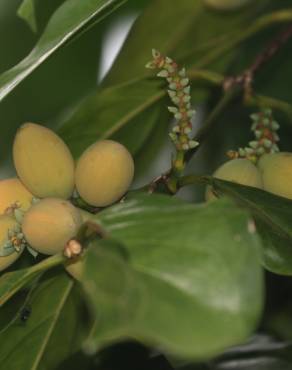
(173, 110)
(267, 143)
(184, 82)
(254, 144)
(155, 54)
(163, 73)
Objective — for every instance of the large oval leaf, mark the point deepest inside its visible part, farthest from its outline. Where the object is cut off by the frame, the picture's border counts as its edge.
(106, 114)
(274, 219)
(126, 99)
(12, 282)
(49, 334)
(60, 29)
(192, 284)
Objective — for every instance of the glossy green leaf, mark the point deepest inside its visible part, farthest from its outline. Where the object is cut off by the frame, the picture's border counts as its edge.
(176, 30)
(26, 11)
(12, 282)
(49, 334)
(192, 282)
(108, 112)
(69, 20)
(128, 102)
(125, 92)
(169, 24)
(274, 217)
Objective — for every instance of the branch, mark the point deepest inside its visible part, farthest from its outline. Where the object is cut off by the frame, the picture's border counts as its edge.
(246, 79)
(273, 103)
(233, 86)
(282, 16)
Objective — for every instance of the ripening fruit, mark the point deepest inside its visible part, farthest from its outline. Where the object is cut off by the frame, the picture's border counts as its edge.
(49, 224)
(43, 162)
(104, 173)
(12, 191)
(276, 171)
(226, 4)
(241, 171)
(7, 223)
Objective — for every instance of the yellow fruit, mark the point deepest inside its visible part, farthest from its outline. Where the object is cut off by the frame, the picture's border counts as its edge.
(241, 171)
(43, 162)
(75, 268)
(7, 223)
(12, 191)
(226, 4)
(276, 172)
(49, 224)
(104, 173)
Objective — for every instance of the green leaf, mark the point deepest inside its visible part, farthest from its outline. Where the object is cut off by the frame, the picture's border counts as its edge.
(12, 282)
(60, 30)
(26, 11)
(169, 25)
(108, 112)
(127, 101)
(192, 283)
(124, 105)
(261, 352)
(49, 334)
(274, 217)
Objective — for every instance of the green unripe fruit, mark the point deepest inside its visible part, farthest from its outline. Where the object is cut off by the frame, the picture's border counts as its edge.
(49, 224)
(43, 162)
(7, 223)
(241, 171)
(104, 173)
(276, 172)
(226, 4)
(12, 191)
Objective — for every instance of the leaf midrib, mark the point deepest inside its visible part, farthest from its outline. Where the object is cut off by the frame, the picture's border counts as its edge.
(53, 324)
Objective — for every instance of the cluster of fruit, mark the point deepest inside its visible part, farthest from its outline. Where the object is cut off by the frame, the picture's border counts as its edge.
(35, 207)
(260, 164)
(273, 173)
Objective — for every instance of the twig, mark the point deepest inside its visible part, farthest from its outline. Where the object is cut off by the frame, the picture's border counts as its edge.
(246, 79)
(233, 86)
(273, 103)
(281, 16)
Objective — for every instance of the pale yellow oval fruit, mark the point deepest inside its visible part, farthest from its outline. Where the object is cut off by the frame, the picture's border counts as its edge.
(75, 268)
(104, 173)
(7, 223)
(43, 162)
(276, 172)
(226, 4)
(241, 171)
(49, 224)
(12, 191)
